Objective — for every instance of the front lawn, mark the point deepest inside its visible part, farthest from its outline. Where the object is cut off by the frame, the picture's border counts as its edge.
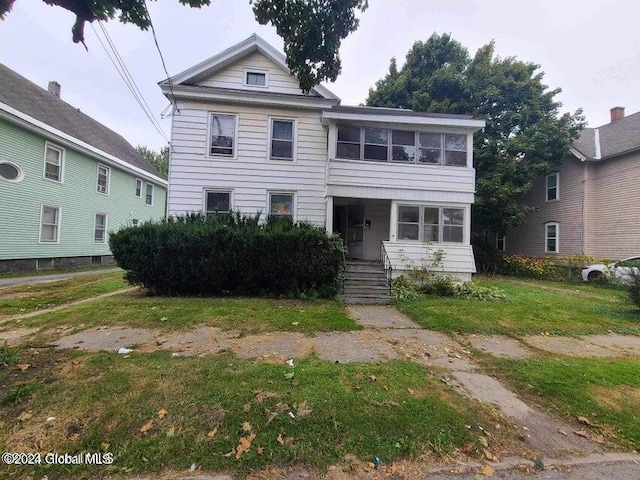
(29, 298)
(604, 391)
(156, 412)
(532, 307)
(246, 314)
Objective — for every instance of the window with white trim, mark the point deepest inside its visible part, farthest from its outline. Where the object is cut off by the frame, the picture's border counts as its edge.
(138, 188)
(551, 237)
(223, 135)
(255, 79)
(281, 142)
(49, 224)
(53, 162)
(100, 228)
(384, 145)
(282, 204)
(103, 179)
(148, 198)
(217, 202)
(431, 223)
(501, 242)
(553, 186)
(10, 172)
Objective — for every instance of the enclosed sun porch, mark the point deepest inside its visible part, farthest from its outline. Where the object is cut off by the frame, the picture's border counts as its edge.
(400, 185)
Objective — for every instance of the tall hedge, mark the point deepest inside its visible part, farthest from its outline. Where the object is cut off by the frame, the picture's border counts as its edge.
(196, 255)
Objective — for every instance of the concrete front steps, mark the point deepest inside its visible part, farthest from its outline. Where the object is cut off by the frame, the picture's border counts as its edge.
(365, 283)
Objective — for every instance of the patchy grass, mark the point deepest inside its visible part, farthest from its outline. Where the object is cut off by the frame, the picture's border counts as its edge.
(101, 402)
(247, 314)
(606, 391)
(531, 307)
(57, 271)
(29, 298)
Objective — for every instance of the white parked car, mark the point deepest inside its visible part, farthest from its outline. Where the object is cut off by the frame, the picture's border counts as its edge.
(618, 271)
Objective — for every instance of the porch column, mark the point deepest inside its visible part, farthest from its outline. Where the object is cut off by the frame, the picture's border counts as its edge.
(393, 221)
(329, 215)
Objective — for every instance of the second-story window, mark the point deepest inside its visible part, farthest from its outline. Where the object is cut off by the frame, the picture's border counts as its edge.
(223, 135)
(282, 139)
(53, 163)
(138, 188)
(552, 187)
(103, 179)
(403, 146)
(148, 199)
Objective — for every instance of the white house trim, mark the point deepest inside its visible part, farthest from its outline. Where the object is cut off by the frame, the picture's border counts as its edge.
(58, 136)
(231, 55)
(405, 120)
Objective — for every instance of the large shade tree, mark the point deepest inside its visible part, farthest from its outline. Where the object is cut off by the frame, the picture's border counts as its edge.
(525, 133)
(312, 30)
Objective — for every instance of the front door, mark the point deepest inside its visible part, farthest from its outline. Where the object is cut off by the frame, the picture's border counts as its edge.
(355, 231)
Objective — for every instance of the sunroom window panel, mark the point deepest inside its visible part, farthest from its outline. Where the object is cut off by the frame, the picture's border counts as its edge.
(455, 150)
(409, 214)
(403, 146)
(408, 231)
(348, 150)
(453, 225)
(375, 152)
(348, 134)
(452, 233)
(409, 223)
(430, 220)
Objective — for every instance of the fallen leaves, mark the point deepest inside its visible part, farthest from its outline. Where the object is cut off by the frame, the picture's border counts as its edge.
(23, 366)
(487, 470)
(246, 427)
(244, 445)
(212, 433)
(25, 416)
(303, 410)
(146, 427)
(280, 439)
(590, 436)
(162, 413)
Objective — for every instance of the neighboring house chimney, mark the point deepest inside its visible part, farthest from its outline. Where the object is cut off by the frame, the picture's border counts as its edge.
(617, 113)
(54, 89)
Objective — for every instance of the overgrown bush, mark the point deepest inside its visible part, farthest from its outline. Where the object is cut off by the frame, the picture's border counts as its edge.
(634, 286)
(489, 260)
(438, 285)
(472, 290)
(404, 289)
(196, 255)
(533, 267)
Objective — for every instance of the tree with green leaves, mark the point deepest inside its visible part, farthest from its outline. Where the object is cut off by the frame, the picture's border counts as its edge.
(525, 133)
(160, 159)
(312, 30)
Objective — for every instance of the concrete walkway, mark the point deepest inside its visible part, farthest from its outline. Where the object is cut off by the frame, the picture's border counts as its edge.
(54, 277)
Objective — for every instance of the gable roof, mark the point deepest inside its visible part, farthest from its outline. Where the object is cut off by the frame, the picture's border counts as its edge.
(216, 63)
(610, 140)
(37, 103)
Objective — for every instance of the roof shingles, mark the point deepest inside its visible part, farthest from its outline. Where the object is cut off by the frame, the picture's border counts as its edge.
(28, 98)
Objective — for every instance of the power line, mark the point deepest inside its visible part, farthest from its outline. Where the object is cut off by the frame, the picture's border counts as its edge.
(164, 65)
(126, 77)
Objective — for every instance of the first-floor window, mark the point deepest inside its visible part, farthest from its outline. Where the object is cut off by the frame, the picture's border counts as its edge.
(431, 224)
(100, 228)
(501, 242)
(281, 204)
(148, 199)
(216, 202)
(552, 233)
(103, 179)
(50, 224)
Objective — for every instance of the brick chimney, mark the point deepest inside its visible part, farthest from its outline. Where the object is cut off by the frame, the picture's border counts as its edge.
(617, 113)
(54, 89)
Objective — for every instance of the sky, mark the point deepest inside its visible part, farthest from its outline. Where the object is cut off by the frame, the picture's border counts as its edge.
(587, 48)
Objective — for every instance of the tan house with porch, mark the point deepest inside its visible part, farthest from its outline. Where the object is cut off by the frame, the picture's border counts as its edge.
(590, 204)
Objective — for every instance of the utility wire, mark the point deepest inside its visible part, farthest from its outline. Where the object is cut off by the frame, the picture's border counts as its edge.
(126, 77)
(164, 65)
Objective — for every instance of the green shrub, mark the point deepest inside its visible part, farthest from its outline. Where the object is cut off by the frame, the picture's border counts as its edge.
(236, 254)
(438, 285)
(472, 290)
(404, 289)
(634, 286)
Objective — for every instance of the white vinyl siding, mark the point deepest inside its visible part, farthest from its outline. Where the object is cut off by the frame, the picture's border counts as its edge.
(100, 228)
(53, 162)
(103, 179)
(234, 76)
(251, 175)
(457, 259)
(49, 224)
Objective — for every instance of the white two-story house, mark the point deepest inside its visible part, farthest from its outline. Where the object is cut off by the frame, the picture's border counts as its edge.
(388, 181)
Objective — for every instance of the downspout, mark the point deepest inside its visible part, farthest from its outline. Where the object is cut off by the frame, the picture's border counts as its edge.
(585, 197)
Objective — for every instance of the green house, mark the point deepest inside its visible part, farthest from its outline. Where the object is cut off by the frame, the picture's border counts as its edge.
(66, 181)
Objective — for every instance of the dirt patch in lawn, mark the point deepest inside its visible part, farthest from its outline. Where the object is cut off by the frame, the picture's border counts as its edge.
(616, 398)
